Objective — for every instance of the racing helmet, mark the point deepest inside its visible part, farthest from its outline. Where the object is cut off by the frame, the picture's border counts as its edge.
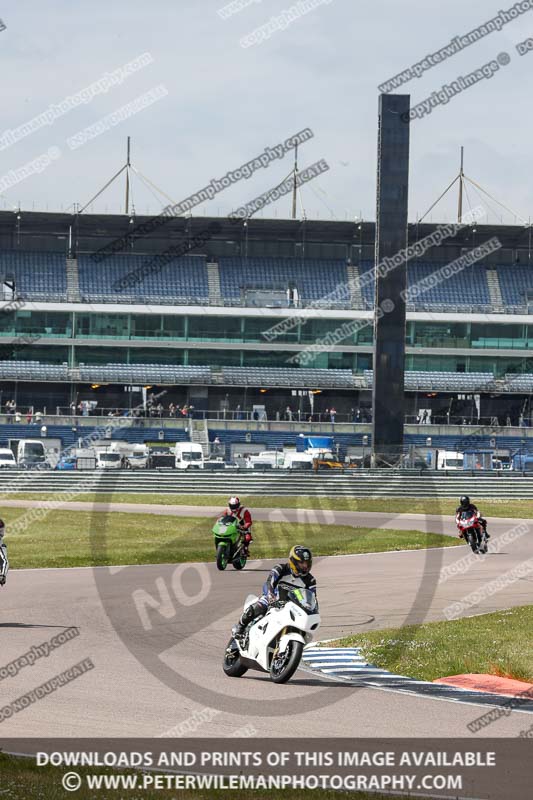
(234, 504)
(300, 560)
(464, 501)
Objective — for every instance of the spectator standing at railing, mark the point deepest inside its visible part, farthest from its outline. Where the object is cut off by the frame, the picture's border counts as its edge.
(73, 408)
(171, 410)
(10, 409)
(29, 416)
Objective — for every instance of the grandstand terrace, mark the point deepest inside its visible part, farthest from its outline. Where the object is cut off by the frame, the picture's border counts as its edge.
(85, 320)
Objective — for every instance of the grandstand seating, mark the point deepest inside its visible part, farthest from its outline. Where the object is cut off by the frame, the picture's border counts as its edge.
(37, 276)
(282, 376)
(141, 373)
(467, 287)
(181, 280)
(315, 279)
(42, 276)
(514, 282)
(32, 370)
(443, 381)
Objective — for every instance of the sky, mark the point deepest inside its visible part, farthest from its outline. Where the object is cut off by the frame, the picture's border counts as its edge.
(216, 104)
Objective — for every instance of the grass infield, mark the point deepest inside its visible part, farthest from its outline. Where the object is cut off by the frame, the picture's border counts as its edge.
(399, 505)
(495, 644)
(82, 538)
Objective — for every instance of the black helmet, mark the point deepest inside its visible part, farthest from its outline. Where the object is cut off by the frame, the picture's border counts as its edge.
(465, 501)
(300, 560)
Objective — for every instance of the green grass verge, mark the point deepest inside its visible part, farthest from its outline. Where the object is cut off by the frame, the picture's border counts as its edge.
(22, 779)
(82, 538)
(446, 506)
(494, 644)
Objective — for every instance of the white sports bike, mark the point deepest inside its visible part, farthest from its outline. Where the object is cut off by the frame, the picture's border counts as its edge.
(274, 643)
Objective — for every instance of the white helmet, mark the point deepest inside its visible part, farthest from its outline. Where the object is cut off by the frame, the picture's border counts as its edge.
(234, 504)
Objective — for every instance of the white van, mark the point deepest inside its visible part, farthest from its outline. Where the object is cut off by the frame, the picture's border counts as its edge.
(7, 458)
(300, 461)
(107, 459)
(448, 459)
(189, 455)
(271, 459)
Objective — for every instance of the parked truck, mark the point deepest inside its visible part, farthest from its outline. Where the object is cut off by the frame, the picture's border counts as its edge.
(36, 453)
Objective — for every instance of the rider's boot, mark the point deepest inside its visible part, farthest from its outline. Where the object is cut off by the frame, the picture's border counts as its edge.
(248, 539)
(248, 615)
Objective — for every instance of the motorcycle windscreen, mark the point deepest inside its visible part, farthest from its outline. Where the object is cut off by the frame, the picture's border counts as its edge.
(305, 598)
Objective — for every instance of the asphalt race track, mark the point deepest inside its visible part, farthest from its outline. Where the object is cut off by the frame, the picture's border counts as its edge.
(150, 677)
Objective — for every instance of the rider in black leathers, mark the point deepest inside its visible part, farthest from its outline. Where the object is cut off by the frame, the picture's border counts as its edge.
(466, 505)
(4, 563)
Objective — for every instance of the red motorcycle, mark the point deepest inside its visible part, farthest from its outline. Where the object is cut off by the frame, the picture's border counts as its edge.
(471, 531)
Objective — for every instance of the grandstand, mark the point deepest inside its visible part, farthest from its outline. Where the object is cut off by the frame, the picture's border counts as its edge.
(223, 326)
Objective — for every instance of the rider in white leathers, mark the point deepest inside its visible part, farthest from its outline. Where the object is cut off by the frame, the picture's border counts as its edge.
(4, 563)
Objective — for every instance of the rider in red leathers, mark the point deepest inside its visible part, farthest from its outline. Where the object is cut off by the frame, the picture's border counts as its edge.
(245, 518)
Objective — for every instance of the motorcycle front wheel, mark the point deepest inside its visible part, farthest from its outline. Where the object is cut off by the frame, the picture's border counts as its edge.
(472, 541)
(232, 664)
(284, 665)
(239, 562)
(222, 556)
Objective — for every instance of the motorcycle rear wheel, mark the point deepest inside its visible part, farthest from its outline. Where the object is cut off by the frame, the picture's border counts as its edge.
(222, 556)
(283, 667)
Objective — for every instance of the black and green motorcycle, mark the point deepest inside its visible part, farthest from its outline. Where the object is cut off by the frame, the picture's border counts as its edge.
(229, 542)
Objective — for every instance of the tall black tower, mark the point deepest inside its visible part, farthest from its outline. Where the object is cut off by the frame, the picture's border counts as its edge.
(388, 400)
